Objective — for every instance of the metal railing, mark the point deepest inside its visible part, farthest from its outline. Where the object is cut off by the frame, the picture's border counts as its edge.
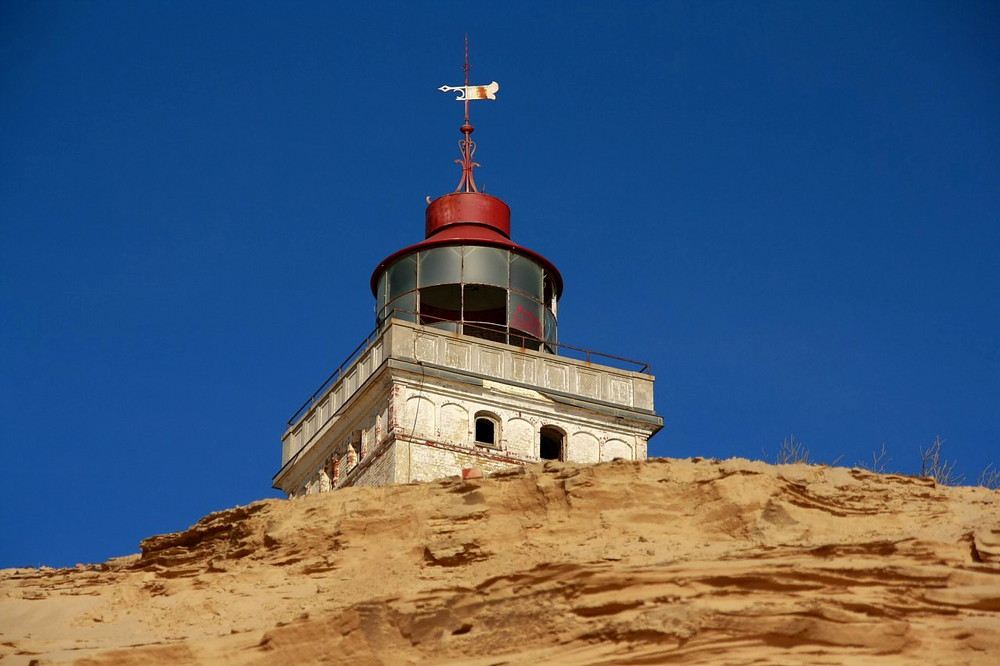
(514, 334)
(334, 376)
(421, 319)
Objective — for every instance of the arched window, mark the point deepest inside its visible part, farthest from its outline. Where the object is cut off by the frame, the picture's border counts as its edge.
(487, 429)
(551, 444)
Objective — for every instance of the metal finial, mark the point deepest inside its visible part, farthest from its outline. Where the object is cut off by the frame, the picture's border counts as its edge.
(466, 146)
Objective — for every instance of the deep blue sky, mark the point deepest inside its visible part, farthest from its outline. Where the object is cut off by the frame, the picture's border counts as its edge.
(789, 209)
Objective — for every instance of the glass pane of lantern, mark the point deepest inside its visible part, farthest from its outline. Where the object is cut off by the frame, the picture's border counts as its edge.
(550, 327)
(451, 326)
(380, 293)
(440, 265)
(403, 307)
(525, 314)
(485, 265)
(402, 277)
(526, 276)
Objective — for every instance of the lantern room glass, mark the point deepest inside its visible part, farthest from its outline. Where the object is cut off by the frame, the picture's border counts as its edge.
(402, 308)
(487, 292)
(486, 265)
(402, 277)
(440, 265)
(526, 276)
(380, 293)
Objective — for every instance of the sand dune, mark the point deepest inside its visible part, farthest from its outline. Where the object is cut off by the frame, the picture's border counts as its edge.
(655, 562)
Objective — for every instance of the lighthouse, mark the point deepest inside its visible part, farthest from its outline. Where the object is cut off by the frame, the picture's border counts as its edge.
(465, 368)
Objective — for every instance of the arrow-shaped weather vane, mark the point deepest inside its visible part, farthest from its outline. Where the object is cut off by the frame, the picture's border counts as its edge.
(466, 145)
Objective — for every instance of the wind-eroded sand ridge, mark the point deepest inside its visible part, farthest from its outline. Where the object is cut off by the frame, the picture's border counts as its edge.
(656, 562)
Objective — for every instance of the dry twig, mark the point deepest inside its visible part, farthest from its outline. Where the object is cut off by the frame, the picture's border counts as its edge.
(932, 465)
(990, 477)
(791, 452)
(880, 461)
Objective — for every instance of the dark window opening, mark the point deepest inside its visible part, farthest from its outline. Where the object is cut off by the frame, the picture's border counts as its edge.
(486, 304)
(440, 304)
(485, 312)
(486, 430)
(550, 444)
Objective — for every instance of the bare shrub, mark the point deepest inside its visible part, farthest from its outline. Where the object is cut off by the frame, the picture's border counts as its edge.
(990, 477)
(791, 452)
(880, 461)
(932, 465)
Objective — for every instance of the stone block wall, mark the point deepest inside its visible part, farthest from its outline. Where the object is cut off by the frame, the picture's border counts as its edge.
(426, 461)
(351, 451)
(380, 470)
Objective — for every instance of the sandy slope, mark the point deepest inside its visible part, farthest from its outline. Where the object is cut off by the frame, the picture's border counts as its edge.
(661, 562)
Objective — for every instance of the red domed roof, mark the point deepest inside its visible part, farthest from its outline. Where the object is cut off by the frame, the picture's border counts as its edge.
(468, 218)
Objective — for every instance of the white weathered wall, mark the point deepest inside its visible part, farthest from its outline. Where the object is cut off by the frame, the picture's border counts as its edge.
(508, 363)
(411, 423)
(439, 411)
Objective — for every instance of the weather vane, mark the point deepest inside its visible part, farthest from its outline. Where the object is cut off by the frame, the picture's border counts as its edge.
(466, 145)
